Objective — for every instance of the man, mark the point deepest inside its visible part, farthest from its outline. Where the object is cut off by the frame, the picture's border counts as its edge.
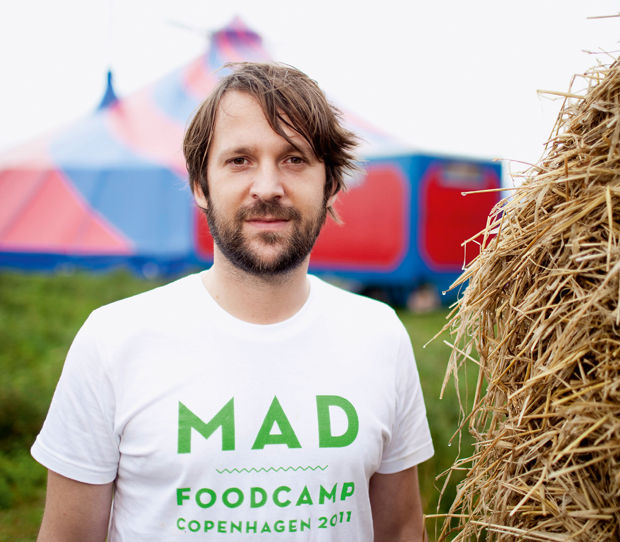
(251, 399)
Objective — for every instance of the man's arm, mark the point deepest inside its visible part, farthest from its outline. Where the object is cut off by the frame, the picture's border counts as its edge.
(75, 511)
(396, 507)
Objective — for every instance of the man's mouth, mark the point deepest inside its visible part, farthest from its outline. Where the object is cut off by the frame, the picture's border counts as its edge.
(267, 223)
(266, 219)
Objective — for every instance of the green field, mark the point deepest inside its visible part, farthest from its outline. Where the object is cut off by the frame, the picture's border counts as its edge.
(39, 316)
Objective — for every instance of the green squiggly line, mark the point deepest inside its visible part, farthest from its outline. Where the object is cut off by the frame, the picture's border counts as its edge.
(263, 469)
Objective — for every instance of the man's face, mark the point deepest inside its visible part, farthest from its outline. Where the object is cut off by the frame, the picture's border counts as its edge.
(266, 203)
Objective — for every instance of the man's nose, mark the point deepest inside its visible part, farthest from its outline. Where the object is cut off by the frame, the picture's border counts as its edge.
(267, 183)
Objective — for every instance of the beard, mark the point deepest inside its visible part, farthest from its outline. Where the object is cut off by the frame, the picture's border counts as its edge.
(294, 246)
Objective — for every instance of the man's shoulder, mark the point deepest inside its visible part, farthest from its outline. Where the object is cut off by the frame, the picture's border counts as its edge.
(147, 306)
(348, 306)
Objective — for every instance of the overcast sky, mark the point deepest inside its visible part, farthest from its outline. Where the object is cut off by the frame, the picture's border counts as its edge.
(453, 76)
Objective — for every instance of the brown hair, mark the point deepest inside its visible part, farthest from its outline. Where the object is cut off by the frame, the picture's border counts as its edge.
(288, 98)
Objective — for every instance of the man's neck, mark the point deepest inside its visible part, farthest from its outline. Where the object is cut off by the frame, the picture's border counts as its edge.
(253, 299)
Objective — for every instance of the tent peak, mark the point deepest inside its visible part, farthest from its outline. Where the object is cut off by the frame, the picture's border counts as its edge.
(110, 96)
(237, 24)
(237, 28)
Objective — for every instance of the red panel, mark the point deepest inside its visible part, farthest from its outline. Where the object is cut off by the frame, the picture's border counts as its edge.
(448, 218)
(375, 233)
(48, 216)
(144, 129)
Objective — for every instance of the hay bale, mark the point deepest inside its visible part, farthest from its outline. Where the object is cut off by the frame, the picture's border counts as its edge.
(542, 311)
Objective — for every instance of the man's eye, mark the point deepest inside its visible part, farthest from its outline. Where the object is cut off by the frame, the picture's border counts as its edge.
(296, 160)
(238, 161)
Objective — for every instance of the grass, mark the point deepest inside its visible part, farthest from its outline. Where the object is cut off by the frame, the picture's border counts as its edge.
(443, 414)
(40, 315)
(20, 523)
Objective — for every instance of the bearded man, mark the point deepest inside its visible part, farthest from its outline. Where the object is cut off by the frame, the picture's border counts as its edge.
(251, 399)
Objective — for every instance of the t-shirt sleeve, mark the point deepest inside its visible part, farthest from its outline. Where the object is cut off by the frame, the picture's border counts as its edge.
(77, 439)
(410, 443)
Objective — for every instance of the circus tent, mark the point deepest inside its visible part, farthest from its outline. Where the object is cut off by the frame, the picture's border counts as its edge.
(111, 190)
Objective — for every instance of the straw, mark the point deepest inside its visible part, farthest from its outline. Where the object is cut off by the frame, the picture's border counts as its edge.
(541, 309)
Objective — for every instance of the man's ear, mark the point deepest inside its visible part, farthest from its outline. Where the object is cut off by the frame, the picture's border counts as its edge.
(332, 200)
(199, 196)
(330, 184)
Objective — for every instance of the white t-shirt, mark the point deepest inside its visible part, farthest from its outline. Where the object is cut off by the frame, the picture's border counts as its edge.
(212, 426)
